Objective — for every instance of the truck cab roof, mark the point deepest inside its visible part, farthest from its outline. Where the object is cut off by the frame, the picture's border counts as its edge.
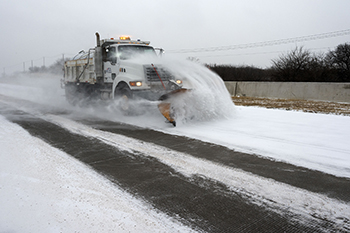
(123, 40)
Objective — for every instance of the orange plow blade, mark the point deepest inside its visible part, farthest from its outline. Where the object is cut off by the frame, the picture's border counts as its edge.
(165, 107)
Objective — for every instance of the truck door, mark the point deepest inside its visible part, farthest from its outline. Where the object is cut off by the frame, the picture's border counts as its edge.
(111, 64)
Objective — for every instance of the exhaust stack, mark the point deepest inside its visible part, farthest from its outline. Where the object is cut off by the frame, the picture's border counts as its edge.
(98, 60)
(98, 43)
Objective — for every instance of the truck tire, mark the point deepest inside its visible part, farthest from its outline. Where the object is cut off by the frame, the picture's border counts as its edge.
(123, 95)
(70, 93)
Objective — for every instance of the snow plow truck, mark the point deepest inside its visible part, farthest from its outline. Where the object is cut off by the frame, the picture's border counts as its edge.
(110, 72)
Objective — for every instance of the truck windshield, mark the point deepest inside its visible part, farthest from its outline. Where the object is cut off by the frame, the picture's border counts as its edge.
(130, 51)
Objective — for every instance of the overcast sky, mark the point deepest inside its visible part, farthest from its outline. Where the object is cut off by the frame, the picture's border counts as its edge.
(33, 29)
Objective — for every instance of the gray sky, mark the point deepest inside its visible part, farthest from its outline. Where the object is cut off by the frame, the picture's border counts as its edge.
(33, 29)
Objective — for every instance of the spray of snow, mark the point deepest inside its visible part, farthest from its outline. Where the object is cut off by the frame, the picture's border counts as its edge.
(208, 98)
(41, 88)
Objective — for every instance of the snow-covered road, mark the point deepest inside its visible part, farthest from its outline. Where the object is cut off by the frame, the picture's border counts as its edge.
(316, 141)
(40, 196)
(42, 189)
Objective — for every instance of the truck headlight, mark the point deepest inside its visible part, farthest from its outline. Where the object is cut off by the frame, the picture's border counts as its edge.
(136, 84)
(178, 81)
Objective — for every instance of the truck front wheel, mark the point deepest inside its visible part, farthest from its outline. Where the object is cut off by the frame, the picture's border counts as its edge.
(123, 95)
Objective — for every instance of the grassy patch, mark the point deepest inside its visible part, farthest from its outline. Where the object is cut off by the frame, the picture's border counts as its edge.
(294, 104)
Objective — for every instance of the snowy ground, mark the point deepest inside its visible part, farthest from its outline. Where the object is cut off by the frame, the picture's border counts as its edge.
(45, 190)
(316, 141)
(36, 186)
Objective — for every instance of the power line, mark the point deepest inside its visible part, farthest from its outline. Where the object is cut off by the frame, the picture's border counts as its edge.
(257, 53)
(233, 47)
(265, 43)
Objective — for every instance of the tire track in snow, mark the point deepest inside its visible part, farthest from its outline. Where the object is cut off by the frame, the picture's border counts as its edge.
(197, 201)
(43, 189)
(315, 181)
(193, 179)
(260, 190)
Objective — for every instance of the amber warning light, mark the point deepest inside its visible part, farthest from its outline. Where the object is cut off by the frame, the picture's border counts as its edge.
(124, 38)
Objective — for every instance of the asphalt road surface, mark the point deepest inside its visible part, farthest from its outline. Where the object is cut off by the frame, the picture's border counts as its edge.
(200, 202)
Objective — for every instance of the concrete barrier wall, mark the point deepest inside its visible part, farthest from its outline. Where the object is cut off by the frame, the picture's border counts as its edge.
(336, 92)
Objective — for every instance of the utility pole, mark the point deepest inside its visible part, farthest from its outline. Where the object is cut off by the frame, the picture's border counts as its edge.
(43, 61)
(24, 66)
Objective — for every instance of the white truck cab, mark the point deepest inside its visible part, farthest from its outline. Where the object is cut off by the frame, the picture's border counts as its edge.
(114, 69)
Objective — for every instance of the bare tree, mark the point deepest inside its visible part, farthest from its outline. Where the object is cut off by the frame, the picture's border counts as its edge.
(339, 61)
(240, 73)
(56, 68)
(293, 66)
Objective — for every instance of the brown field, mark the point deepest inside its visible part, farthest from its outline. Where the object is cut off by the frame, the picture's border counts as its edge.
(294, 104)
